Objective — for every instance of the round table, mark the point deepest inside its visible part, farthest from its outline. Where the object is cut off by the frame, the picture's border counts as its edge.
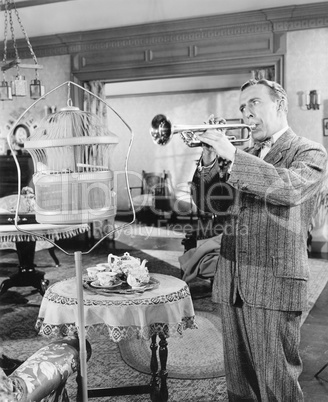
(27, 275)
(164, 311)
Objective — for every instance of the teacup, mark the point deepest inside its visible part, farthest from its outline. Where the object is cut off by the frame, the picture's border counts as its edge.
(92, 273)
(106, 278)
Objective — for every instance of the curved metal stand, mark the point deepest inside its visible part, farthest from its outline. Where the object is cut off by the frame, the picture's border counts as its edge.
(77, 254)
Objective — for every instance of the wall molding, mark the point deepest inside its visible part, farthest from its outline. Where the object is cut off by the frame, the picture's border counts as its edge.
(193, 46)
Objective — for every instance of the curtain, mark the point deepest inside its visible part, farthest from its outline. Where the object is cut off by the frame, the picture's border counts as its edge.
(91, 103)
(98, 228)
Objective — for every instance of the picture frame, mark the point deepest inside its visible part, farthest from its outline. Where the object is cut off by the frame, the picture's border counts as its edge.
(19, 135)
(325, 127)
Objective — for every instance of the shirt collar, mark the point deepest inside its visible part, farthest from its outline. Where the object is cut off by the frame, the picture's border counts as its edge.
(278, 134)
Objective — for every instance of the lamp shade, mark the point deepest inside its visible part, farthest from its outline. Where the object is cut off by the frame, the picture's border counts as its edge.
(71, 151)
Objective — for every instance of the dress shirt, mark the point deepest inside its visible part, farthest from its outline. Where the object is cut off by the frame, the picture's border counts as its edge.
(201, 167)
(268, 146)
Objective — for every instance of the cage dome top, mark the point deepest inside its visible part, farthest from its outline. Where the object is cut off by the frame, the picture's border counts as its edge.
(68, 127)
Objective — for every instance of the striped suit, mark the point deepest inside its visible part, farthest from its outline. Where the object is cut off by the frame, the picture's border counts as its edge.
(262, 273)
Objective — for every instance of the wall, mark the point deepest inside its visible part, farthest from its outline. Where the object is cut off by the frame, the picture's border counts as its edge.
(306, 68)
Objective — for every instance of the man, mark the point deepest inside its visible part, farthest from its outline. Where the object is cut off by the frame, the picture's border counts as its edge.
(262, 273)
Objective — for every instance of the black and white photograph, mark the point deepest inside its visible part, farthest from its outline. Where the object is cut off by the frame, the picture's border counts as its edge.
(164, 200)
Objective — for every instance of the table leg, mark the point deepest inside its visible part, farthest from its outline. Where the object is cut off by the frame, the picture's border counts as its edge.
(26, 253)
(158, 394)
(154, 383)
(53, 256)
(152, 389)
(27, 275)
(163, 353)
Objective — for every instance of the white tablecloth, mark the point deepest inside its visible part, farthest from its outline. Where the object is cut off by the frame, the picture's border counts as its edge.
(167, 309)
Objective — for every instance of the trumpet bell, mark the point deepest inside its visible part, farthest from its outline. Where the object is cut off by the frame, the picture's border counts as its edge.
(161, 129)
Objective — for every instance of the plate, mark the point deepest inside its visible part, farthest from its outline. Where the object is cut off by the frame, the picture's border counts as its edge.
(120, 287)
(145, 286)
(97, 285)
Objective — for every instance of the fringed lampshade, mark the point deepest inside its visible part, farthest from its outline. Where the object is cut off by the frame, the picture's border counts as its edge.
(71, 152)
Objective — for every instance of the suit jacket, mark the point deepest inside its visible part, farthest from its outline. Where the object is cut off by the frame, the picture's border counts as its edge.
(263, 251)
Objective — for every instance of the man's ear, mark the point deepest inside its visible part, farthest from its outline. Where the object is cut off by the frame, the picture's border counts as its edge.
(281, 105)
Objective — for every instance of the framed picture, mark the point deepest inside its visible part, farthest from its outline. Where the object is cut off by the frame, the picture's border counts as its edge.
(19, 136)
(325, 127)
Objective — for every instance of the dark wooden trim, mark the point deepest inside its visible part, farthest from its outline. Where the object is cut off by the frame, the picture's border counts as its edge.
(223, 44)
(31, 3)
(274, 20)
(237, 66)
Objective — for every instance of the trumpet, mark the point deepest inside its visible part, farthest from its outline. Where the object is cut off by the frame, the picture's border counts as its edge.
(162, 130)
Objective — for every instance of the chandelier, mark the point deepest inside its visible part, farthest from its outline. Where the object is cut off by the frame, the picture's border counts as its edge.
(18, 86)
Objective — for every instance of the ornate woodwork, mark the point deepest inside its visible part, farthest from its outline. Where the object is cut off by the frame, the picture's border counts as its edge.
(221, 44)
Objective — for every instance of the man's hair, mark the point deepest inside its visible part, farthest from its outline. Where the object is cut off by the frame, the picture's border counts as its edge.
(276, 90)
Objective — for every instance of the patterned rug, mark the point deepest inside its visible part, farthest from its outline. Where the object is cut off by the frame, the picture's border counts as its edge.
(184, 359)
(19, 310)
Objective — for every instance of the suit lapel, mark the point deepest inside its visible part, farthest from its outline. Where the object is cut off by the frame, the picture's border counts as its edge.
(283, 143)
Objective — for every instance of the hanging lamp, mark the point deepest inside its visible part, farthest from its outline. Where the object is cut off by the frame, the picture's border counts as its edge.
(18, 86)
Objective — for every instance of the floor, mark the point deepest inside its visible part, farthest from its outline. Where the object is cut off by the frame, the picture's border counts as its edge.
(314, 332)
(314, 351)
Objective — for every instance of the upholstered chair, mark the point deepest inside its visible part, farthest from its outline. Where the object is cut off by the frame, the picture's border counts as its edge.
(43, 376)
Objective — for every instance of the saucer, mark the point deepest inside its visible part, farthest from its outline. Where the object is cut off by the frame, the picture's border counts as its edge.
(96, 284)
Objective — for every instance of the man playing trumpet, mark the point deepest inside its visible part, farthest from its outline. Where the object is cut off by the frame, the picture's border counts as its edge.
(262, 273)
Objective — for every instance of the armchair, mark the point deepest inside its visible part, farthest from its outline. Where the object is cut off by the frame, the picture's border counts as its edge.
(213, 199)
(155, 198)
(43, 375)
(201, 249)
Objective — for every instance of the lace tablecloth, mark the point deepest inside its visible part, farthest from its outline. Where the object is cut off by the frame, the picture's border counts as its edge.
(166, 310)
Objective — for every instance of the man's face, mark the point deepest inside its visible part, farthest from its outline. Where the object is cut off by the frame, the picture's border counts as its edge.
(260, 110)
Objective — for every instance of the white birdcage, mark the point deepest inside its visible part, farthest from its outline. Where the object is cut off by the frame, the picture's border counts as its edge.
(71, 152)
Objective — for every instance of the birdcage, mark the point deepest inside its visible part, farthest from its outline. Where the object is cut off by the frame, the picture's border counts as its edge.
(71, 151)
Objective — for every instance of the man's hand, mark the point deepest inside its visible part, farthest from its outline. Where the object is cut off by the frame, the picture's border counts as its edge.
(215, 143)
